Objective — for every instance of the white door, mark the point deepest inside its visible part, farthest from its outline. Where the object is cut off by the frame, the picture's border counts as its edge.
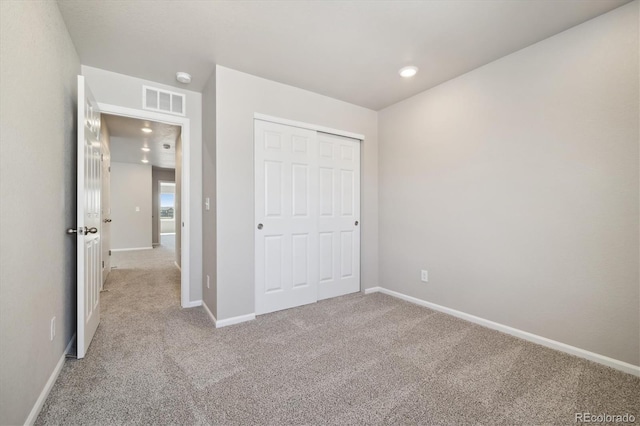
(286, 245)
(105, 208)
(338, 215)
(88, 231)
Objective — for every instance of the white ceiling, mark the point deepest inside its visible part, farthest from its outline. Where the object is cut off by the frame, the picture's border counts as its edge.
(349, 50)
(127, 141)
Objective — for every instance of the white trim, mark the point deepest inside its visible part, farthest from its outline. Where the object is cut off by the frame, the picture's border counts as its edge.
(175, 262)
(234, 320)
(132, 249)
(229, 321)
(553, 344)
(213, 318)
(35, 411)
(185, 274)
(193, 304)
(308, 126)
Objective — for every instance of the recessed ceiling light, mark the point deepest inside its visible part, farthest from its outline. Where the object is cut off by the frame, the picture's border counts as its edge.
(146, 130)
(183, 77)
(146, 149)
(407, 72)
(144, 160)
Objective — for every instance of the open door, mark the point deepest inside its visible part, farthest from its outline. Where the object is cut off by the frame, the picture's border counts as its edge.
(88, 230)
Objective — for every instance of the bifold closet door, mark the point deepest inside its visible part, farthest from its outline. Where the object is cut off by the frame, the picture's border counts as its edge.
(286, 236)
(339, 215)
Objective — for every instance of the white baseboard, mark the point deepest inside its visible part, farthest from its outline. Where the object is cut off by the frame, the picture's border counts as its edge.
(206, 308)
(33, 415)
(235, 320)
(553, 344)
(229, 321)
(133, 249)
(177, 266)
(193, 304)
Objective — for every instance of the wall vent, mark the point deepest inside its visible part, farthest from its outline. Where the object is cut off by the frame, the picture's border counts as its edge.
(155, 99)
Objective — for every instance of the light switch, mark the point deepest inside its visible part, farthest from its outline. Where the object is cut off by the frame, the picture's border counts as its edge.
(207, 204)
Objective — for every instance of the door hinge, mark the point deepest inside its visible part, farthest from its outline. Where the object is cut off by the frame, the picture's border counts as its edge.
(109, 169)
(109, 252)
(103, 264)
(101, 157)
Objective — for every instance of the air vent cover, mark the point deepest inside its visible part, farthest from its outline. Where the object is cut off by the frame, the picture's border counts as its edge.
(155, 99)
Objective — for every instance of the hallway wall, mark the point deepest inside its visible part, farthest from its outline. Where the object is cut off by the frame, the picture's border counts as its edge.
(38, 82)
(131, 206)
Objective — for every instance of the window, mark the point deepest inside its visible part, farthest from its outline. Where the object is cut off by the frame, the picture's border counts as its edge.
(166, 205)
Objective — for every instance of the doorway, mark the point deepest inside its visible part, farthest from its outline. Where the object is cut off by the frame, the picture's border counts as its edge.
(182, 176)
(142, 192)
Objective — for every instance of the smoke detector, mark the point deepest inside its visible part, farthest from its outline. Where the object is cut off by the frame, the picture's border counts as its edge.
(183, 77)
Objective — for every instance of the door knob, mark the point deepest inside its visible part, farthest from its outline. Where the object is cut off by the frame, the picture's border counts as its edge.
(259, 226)
(90, 230)
(357, 223)
(72, 231)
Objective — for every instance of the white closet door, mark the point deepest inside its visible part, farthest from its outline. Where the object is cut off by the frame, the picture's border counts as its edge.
(286, 238)
(339, 215)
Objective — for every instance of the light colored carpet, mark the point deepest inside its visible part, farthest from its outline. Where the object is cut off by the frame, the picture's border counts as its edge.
(168, 241)
(345, 361)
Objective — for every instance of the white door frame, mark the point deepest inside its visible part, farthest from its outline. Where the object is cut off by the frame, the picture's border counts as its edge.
(302, 125)
(185, 273)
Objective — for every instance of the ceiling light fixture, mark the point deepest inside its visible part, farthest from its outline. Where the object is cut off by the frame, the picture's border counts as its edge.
(146, 149)
(146, 130)
(144, 160)
(183, 77)
(409, 71)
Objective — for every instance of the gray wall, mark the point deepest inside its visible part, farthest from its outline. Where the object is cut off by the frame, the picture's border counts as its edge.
(238, 97)
(157, 175)
(130, 189)
(126, 91)
(38, 83)
(516, 186)
(209, 225)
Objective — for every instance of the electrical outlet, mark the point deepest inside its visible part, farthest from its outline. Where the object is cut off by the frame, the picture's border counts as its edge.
(53, 328)
(208, 282)
(424, 276)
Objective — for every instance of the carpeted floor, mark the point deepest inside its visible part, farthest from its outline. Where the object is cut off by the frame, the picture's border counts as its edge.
(168, 241)
(346, 361)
